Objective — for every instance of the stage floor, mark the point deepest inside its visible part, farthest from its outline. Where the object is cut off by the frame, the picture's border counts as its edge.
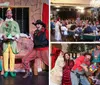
(41, 79)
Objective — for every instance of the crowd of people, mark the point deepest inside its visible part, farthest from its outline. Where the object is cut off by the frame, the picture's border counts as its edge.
(62, 29)
(67, 71)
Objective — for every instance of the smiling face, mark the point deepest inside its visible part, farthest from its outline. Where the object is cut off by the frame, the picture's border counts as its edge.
(39, 26)
(9, 14)
(88, 57)
(67, 57)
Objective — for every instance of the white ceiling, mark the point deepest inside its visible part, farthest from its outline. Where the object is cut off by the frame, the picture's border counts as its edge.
(84, 3)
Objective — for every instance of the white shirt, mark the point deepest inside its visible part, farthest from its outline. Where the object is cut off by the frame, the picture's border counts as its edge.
(63, 28)
(9, 19)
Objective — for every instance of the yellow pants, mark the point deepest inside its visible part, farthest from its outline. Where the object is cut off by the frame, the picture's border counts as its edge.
(6, 55)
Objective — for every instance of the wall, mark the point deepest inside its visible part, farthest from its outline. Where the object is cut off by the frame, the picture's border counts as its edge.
(35, 8)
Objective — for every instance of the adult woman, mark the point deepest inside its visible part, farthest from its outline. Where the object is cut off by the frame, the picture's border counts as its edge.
(66, 80)
(96, 54)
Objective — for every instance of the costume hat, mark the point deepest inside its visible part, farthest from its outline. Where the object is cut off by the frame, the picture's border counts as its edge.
(39, 22)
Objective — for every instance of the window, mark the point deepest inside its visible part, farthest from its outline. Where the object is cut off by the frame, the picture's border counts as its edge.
(21, 15)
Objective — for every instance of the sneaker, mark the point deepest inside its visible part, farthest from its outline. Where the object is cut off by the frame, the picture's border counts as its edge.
(6, 74)
(12, 74)
(26, 75)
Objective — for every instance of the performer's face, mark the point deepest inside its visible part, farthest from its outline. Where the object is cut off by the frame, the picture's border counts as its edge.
(9, 14)
(67, 56)
(39, 26)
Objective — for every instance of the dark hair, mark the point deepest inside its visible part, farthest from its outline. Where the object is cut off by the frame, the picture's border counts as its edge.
(97, 44)
(65, 54)
(87, 54)
(67, 61)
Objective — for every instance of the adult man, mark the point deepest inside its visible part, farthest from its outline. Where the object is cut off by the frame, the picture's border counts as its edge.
(88, 29)
(79, 68)
(40, 50)
(10, 32)
(52, 24)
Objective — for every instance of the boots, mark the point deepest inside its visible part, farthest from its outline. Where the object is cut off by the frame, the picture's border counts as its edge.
(27, 74)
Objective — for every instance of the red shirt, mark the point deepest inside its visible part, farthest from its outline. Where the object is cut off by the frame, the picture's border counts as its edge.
(80, 60)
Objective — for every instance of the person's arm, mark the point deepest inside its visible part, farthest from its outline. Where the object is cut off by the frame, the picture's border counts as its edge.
(79, 62)
(84, 67)
(30, 37)
(71, 64)
(3, 32)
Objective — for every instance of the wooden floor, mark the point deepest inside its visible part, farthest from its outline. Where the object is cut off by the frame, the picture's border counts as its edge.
(41, 79)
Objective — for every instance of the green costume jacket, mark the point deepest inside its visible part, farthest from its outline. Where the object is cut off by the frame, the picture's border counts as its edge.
(12, 28)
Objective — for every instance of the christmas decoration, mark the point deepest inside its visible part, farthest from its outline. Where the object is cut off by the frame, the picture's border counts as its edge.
(93, 67)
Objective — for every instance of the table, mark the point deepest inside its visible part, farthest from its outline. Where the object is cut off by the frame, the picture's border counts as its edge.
(90, 37)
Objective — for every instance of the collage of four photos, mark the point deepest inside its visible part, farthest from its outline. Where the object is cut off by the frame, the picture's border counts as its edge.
(75, 42)
(49, 42)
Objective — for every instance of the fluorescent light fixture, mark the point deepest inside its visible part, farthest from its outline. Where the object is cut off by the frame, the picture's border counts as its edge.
(78, 7)
(57, 6)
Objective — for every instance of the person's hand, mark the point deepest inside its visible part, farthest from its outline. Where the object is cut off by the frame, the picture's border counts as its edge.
(85, 68)
(29, 37)
(4, 37)
(91, 77)
(14, 37)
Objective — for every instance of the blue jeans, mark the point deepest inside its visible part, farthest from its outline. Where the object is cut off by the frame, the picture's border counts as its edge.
(75, 81)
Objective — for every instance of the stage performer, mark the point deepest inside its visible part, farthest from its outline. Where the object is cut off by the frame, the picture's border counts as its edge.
(40, 49)
(10, 32)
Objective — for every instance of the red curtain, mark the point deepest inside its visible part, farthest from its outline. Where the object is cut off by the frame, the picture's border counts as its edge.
(45, 14)
(54, 55)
